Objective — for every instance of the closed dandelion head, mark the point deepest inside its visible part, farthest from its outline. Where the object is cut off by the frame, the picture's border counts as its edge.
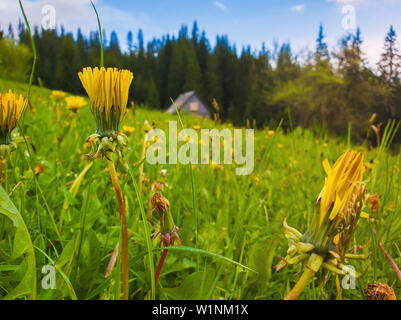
(168, 230)
(160, 203)
(75, 103)
(108, 93)
(12, 108)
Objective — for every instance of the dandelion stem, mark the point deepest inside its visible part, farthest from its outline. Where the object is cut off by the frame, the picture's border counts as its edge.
(159, 269)
(388, 257)
(314, 264)
(124, 232)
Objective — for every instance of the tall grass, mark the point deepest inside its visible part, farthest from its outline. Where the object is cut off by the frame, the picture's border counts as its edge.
(238, 218)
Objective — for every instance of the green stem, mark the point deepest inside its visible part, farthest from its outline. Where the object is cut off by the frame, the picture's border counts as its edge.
(194, 197)
(146, 231)
(101, 36)
(33, 50)
(124, 231)
(314, 263)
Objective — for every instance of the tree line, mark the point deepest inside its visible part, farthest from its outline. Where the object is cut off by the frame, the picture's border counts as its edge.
(326, 90)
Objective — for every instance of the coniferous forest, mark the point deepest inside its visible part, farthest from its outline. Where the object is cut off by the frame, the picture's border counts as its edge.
(326, 90)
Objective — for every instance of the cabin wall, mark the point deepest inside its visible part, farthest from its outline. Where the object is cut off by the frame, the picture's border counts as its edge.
(202, 109)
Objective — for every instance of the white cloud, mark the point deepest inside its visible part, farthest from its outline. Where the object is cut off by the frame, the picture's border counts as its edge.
(220, 5)
(74, 14)
(298, 8)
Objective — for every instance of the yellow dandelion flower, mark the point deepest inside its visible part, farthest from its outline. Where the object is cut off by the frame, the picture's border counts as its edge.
(342, 181)
(128, 129)
(338, 209)
(11, 109)
(57, 95)
(108, 93)
(196, 127)
(75, 103)
(341, 196)
(189, 140)
(270, 132)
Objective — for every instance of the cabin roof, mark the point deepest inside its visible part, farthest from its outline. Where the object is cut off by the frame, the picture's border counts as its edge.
(184, 98)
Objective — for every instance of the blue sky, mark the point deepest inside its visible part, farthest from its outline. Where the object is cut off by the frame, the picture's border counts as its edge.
(246, 22)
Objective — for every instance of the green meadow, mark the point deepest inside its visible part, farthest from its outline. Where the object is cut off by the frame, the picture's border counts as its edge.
(230, 226)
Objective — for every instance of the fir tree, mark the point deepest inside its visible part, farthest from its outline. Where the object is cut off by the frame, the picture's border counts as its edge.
(390, 62)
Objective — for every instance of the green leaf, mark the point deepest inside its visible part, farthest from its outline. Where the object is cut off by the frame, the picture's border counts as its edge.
(22, 246)
(210, 254)
(190, 288)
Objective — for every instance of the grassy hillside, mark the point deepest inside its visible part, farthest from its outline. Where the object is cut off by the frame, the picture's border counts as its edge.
(238, 217)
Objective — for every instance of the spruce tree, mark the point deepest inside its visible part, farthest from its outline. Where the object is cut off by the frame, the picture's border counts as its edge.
(322, 52)
(390, 62)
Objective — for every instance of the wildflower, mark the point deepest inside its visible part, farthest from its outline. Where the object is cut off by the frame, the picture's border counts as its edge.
(196, 127)
(146, 126)
(339, 201)
(216, 166)
(108, 94)
(379, 291)
(57, 95)
(75, 103)
(38, 169)
(270, 132)
(128, 129)
(12, 108)
(338, 208)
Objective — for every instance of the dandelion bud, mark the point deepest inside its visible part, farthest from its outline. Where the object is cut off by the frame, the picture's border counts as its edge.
(160, 203)
(12, 108)
(162, 206)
